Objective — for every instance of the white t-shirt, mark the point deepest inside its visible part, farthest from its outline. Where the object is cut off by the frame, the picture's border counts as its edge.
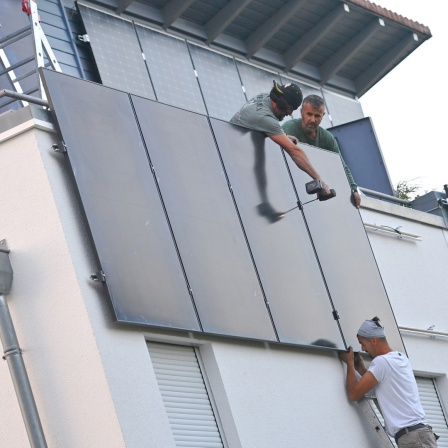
(397, 392)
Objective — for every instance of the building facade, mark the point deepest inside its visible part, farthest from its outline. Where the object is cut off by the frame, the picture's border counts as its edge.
(122, 352)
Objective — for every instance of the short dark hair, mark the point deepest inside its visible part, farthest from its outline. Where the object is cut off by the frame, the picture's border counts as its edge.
(316, 101)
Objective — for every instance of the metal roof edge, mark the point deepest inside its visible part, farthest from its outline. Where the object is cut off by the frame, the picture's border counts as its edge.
(390, 15)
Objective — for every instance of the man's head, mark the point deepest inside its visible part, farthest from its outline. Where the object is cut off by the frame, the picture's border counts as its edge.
(372, 337)
(287, 98)
(312, 112)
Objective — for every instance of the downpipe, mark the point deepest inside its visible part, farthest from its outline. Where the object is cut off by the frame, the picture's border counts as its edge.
(13, 356)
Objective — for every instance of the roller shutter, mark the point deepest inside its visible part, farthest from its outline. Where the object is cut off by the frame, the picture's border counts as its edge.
(185, 396)
(433, 409)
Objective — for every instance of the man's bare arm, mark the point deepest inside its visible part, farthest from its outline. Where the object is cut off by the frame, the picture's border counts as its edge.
(298, 156)
(357, 388)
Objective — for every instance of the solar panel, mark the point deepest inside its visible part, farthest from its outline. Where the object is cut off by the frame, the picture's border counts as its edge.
(219, 81)
(117, 52)
(171, 70)
(365, 160)
(280, 245)
(256, 80)
(342, 109)
(122, 204)
(344, 251)
(205, 224)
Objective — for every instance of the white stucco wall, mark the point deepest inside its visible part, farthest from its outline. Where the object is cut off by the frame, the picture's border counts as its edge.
(413, 272)
(286, 397)
(62, 319)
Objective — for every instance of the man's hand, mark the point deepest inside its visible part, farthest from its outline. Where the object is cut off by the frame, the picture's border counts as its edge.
(360, 367)
(356, 199)
(294, 139)
(325, 191)
(348, 357)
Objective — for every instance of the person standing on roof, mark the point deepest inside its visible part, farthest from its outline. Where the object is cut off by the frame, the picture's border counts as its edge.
(265, 111)
(390, 375)
(307, 129)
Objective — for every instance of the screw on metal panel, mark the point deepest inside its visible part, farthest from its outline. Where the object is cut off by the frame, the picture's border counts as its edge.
(98, 277)
(4, 246)
(59, 147)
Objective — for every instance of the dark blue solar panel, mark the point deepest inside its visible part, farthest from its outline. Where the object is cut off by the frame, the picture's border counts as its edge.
(122, 204)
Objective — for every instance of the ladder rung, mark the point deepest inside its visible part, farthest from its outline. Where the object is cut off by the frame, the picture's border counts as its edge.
(16, 65)
(13, 37)
(22, 77)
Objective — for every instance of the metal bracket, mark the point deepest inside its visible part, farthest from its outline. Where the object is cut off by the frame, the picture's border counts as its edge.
(84, 37)
(13, 351)
(98, 277)
(62, 149)
(4, 246)
(335, 315)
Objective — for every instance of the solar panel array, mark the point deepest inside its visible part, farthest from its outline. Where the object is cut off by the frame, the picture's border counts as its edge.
(181, 73)
(187, 214)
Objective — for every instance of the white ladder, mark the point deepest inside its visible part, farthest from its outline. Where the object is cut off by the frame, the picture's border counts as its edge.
(42, 49)
(369, 413)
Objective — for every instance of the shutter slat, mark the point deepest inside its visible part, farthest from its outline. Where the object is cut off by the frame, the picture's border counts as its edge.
(185, 396)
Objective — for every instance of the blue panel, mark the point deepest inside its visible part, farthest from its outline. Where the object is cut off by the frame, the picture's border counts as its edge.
(171, 70)
(344, 251)
(121, 201)
(283, 254)
(365, 160)
(205, 224)
(219, 81)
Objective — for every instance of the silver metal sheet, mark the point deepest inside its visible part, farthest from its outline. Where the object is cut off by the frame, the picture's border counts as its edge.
(123, 208)
(344, 251)
(281, 248)
(205, 224)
